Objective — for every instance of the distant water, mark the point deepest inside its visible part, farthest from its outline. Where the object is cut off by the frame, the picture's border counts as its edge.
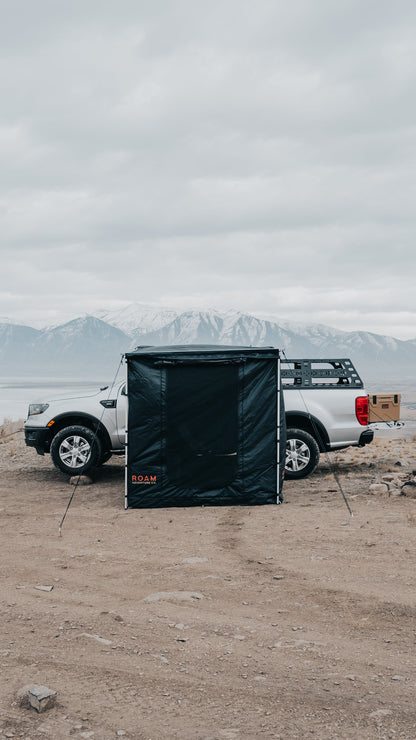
(17, 393)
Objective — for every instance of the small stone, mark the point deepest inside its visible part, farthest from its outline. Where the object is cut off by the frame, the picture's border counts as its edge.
(409, 490)
(39, 697)
(44, 588)
(398, 678)
(96, 637)
(121, 733)
(80, 480)
(378, 488)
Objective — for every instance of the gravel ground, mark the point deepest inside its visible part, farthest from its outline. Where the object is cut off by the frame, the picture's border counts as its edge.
(290, 621)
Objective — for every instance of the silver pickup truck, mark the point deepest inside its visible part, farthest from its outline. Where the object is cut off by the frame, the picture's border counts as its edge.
(326, 409)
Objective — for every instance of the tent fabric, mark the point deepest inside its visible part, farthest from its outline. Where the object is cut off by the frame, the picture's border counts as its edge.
(205, 426)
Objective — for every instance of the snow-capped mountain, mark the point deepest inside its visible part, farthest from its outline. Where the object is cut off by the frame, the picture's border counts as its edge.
(138, 317)
(203, 327)
(92, 345)
(79, 348)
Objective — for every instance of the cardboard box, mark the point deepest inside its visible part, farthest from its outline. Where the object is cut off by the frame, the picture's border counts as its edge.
(383, 407)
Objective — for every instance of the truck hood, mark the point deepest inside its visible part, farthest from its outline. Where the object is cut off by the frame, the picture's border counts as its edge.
(76, 393)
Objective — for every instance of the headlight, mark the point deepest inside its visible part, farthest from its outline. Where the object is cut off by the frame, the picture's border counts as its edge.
(37, 408)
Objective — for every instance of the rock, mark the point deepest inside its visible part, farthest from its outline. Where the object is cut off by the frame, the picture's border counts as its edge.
(395, 492)
(378, 488)
(409, 490)
(39, 697)
(398, 678)
(80, 480)
(44, 588)
(96, 637)
(392, 487)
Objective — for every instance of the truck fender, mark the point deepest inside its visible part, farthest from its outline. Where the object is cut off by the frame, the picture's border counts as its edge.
(310, 424)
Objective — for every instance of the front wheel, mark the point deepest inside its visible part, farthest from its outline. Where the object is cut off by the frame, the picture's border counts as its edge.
(302, 454)
(75, 450)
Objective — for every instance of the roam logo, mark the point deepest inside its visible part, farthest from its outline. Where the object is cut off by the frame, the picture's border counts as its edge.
(144, 480)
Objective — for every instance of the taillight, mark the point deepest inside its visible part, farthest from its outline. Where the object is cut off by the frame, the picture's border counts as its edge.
(361, 410)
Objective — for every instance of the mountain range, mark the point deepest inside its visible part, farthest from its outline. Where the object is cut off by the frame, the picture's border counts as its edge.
(91, 346)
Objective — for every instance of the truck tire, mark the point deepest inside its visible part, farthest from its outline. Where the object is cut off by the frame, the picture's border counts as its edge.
(75, 450)
(302, 454)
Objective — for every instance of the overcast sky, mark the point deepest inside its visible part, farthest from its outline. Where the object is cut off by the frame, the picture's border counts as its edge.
(231, 153)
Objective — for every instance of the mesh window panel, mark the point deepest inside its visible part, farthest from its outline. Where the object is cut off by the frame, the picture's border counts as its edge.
(202, 425)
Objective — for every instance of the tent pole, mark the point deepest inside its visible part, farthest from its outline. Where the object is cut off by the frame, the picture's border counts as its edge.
(126, 438)
(278, 428)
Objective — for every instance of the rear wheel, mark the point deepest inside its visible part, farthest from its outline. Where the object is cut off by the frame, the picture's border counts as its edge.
(302, 454)
(75, 450)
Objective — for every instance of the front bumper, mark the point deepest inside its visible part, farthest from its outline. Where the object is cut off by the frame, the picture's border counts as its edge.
(366, 437)
(39, 438)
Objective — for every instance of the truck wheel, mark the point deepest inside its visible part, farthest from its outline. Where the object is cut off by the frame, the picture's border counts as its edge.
(75, 450)
(302, 454)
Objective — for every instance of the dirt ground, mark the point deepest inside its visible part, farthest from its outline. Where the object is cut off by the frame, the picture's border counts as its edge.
(289, 621)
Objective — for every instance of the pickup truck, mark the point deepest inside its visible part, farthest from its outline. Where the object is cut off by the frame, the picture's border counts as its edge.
(325, 402)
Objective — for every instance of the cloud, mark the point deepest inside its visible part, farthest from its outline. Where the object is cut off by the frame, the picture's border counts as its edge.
(260, 156)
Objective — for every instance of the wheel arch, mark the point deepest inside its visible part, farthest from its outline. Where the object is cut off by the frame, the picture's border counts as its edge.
(68, 420)
(310, 424)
